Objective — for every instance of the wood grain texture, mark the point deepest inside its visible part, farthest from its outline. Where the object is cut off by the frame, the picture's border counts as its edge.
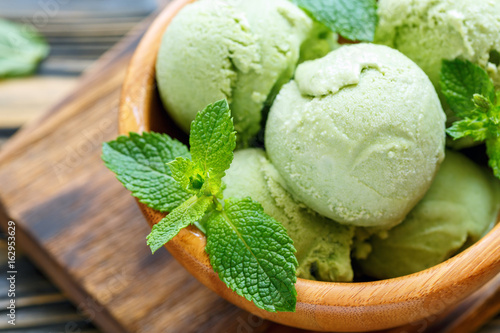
(321, 306)
(43, 92)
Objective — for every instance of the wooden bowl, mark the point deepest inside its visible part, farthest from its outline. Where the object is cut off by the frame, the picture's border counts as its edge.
(321, 306)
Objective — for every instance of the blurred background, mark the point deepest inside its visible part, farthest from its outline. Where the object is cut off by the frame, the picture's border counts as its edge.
(78, 32)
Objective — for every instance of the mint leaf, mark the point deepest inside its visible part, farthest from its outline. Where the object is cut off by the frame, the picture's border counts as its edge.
(460, 81)
(213, 139)
(140, 164)
(493, 151)
(186, 173)
(188, 213)
(353, 19)
(21, 49)
(253, 254)
(475, 128)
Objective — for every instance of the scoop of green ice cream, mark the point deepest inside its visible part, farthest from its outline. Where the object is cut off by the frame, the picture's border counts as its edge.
(323, 246)
(428, 31)
(358, 135)
(239, 50)
(461, 205)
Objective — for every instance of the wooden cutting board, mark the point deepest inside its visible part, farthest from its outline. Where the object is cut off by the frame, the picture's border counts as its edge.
(84, 230)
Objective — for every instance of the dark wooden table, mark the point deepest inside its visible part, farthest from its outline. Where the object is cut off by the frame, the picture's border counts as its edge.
(79, 34)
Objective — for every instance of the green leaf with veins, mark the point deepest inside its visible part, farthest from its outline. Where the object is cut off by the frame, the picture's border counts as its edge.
(140, 164)
(353, 19)
(472, 96)
(460, 81)
(253, 254)
(188, 213)
(213, 139)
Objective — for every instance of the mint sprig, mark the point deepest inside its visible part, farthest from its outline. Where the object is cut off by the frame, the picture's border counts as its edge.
(353, 19)
(213, 139)
(250, 251)
(471, 95)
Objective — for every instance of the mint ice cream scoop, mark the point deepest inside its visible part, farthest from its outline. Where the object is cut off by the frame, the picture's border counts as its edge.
(461, 205)
(428, 31)
(243, 51)
(358, 136)
(323, 246)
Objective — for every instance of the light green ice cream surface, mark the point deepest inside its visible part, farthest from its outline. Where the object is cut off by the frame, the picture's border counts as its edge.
(243, 51)
(358, 135)
(428, 31)
(461, 205)
(323, 246)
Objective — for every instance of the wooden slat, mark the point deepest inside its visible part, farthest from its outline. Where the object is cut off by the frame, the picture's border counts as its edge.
(37, 317)
(34, 300)
(23, 99)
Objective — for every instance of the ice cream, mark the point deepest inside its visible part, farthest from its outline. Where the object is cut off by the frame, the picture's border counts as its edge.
(323, 246)
(320, 42)
(358, 135)
(243, 51)
(461, 205)
(428, 31)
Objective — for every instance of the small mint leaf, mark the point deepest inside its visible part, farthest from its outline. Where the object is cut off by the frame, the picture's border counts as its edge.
(493, 151)
(213, 139)
(188, 213)
(460, 81)
(197, 181)
(482, 103)
(185, 172)
(353, 19)
(140, 164)
(475, 128)
(253, 254)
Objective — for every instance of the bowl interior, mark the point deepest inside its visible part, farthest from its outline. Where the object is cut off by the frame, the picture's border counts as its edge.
(321, 306)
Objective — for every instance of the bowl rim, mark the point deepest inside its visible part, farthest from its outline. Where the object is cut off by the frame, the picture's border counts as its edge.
(324, 302)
